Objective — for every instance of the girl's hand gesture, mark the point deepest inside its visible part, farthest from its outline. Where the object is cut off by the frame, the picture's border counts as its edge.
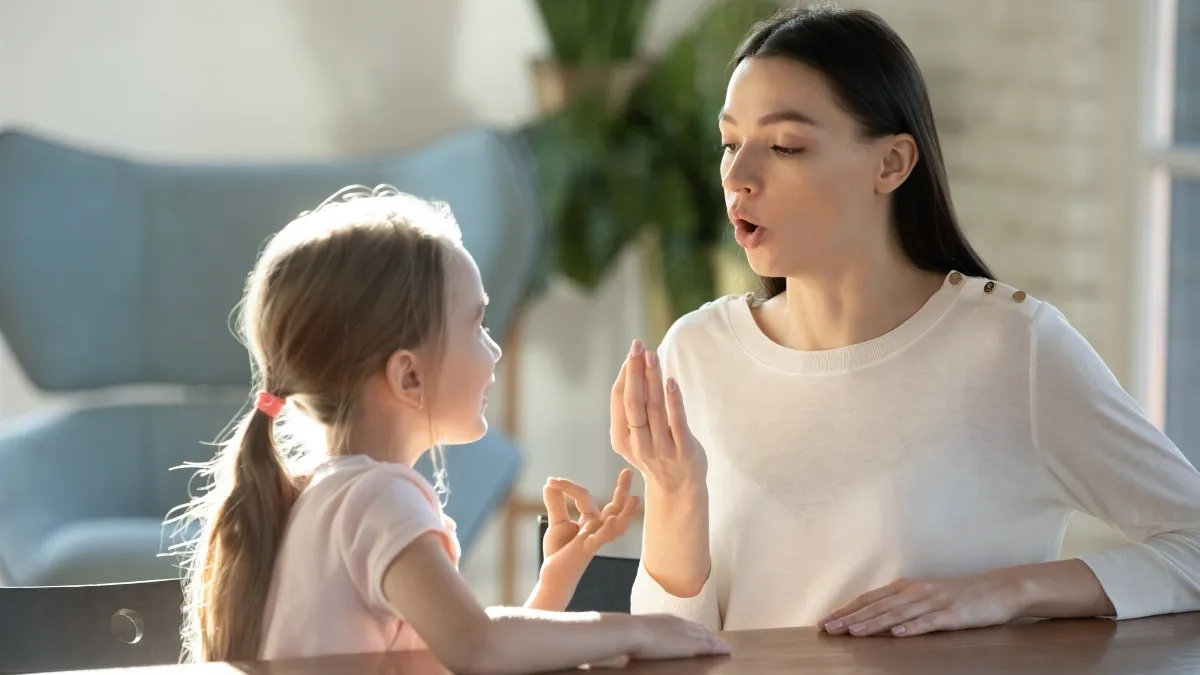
(570, 544)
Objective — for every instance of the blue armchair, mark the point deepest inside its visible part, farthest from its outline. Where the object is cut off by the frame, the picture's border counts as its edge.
(121, 273)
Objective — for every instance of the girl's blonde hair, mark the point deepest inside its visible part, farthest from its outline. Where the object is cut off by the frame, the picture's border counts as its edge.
(332, 296)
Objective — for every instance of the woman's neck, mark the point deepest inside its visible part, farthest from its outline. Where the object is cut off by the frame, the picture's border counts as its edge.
(834, 308)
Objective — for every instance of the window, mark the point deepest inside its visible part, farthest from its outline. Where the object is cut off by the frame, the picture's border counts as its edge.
(1172, 261)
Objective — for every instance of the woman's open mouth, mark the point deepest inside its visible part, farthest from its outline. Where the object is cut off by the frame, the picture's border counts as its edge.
(748, 235)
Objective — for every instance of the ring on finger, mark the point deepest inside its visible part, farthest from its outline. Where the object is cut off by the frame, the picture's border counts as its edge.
(637, 426)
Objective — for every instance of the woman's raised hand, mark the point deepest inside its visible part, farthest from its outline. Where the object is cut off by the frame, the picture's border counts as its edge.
(648, 426)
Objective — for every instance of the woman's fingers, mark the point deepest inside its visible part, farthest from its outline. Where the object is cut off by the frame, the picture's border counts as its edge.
(926, 623)
(635, 388)
(618, 423)
(676, 417)
(858, 622)
(582, 498)
(898, 615)
(836, 622)
(656, 406)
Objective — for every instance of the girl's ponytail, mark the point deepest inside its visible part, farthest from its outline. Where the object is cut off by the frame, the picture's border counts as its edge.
(237, 553)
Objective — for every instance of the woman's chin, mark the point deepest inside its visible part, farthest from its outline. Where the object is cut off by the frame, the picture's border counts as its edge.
(763, 264)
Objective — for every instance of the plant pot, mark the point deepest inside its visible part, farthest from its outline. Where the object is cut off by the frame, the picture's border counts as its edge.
(556, 83)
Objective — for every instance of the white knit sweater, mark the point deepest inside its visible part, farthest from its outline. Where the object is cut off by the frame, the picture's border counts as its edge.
(959, 442)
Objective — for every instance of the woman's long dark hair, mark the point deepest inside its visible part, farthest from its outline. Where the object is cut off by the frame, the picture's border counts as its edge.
(876, 79)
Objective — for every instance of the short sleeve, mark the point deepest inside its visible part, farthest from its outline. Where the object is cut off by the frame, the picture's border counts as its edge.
(381, 514)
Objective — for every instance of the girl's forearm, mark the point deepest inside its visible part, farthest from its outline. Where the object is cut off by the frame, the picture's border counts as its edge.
(552, 595)
(525, 641)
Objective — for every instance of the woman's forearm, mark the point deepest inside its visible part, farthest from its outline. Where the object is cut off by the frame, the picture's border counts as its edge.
(675, 546)
(1061, 589)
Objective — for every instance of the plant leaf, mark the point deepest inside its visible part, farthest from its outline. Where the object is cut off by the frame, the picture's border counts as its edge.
(688, 271)
(594, 32)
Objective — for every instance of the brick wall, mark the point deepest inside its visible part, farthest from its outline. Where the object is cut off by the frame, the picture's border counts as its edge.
(1037, 105)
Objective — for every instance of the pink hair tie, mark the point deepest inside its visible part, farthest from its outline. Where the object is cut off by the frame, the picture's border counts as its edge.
(269, 403)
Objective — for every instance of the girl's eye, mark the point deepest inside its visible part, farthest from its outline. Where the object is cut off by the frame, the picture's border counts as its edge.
(727, 147)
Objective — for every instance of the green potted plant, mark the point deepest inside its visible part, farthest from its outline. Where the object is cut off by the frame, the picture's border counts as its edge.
(645, 169)
(593, 50)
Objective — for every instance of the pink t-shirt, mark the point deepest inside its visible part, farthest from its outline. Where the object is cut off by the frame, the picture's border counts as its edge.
(350, 522)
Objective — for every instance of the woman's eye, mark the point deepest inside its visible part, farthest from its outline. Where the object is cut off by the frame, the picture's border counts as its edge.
(782, 150)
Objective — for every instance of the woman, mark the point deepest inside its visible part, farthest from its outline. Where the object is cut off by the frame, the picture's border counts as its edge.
(885, 441)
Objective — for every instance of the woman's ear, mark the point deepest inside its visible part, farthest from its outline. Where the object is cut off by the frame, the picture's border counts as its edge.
(899, 157)
(406, 379)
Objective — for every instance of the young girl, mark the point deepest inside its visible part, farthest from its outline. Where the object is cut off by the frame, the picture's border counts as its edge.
(364, 319)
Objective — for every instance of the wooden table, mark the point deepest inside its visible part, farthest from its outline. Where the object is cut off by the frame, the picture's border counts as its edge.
(1154, 646)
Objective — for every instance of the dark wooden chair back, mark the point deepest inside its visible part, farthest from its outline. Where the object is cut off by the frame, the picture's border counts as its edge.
(48, 628)
(606, 583)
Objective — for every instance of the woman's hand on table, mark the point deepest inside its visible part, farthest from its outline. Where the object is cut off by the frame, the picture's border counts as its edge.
(910, 607)
(1058, 589)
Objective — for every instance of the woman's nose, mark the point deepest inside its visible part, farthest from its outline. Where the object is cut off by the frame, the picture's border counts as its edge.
(739, 177)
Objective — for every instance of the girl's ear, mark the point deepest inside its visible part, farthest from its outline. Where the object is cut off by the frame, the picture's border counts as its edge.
(406, 378)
